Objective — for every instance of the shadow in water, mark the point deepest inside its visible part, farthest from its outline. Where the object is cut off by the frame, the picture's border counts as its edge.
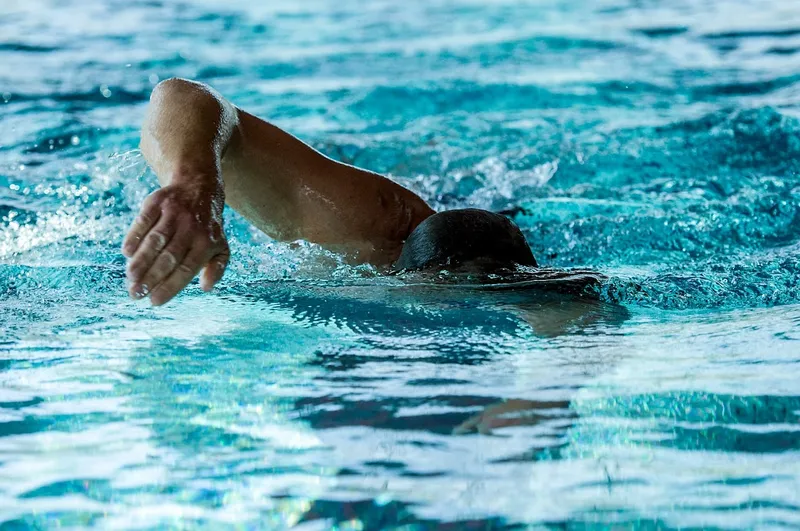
(269, 400)
(263, 395)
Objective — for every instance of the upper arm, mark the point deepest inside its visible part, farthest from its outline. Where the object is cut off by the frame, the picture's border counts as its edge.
(291, 191)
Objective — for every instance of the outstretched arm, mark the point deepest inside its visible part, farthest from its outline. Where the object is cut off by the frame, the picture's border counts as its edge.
(206, 152)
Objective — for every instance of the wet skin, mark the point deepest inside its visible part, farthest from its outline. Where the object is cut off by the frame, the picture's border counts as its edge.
(207, 153)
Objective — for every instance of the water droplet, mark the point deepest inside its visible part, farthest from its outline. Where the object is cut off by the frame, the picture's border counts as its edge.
(105, 91)
(6, 97)
(75, 140)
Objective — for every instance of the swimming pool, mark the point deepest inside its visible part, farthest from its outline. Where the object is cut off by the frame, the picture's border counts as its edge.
(656, 142)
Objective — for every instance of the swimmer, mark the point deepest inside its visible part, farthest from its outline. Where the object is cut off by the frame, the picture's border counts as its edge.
(207, 153)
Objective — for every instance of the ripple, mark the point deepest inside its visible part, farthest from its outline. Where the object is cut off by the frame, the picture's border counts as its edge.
(661, 32)
(747, 34)
(745, 89)
(26, 48)
(629, 142)
(783, 50)
(108, 96)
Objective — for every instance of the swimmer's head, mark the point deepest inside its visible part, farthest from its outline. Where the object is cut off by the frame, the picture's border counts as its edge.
(468, 238)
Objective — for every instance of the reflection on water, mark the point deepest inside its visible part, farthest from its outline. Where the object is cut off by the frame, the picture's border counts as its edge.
(296, 405)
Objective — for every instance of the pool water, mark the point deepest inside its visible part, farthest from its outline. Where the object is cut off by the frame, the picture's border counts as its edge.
(655, 142)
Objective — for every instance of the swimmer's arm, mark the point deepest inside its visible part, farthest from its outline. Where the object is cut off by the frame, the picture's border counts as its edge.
(206, 153)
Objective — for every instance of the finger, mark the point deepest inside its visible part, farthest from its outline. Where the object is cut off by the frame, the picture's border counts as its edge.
(164, 264)
(214, 270)
(142, 224)
(151, 246)
(179, 278)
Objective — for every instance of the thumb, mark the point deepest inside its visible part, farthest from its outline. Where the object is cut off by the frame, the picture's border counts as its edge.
(214, 270)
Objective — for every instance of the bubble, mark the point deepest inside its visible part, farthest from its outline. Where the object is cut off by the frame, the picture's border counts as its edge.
(105, 91)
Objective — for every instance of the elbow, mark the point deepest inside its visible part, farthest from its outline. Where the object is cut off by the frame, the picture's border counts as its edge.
(177, 97)
(175, 88)
(169, 98)
(186, 113)
(166, 95)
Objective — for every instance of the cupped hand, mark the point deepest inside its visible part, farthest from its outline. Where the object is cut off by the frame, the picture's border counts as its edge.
(177, 234)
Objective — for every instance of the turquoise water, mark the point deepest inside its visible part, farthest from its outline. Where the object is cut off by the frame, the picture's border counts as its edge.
(656, 142)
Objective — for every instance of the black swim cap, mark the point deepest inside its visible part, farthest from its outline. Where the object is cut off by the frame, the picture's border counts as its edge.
(465, 237)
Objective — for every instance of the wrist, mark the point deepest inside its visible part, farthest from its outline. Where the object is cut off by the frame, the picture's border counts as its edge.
(204, 177)
(201, 186)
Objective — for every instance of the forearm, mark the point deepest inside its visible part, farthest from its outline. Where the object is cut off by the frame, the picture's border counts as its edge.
(186, 131)
(178, 231)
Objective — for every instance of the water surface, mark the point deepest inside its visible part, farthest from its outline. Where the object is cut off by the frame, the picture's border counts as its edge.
(657, 143)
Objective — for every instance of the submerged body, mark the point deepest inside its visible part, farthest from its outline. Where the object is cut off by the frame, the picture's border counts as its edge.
(206, 153)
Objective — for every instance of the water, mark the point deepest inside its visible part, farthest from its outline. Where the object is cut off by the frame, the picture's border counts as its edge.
(656, 142)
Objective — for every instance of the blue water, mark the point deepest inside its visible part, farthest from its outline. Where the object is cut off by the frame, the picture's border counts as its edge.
(655, 142)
